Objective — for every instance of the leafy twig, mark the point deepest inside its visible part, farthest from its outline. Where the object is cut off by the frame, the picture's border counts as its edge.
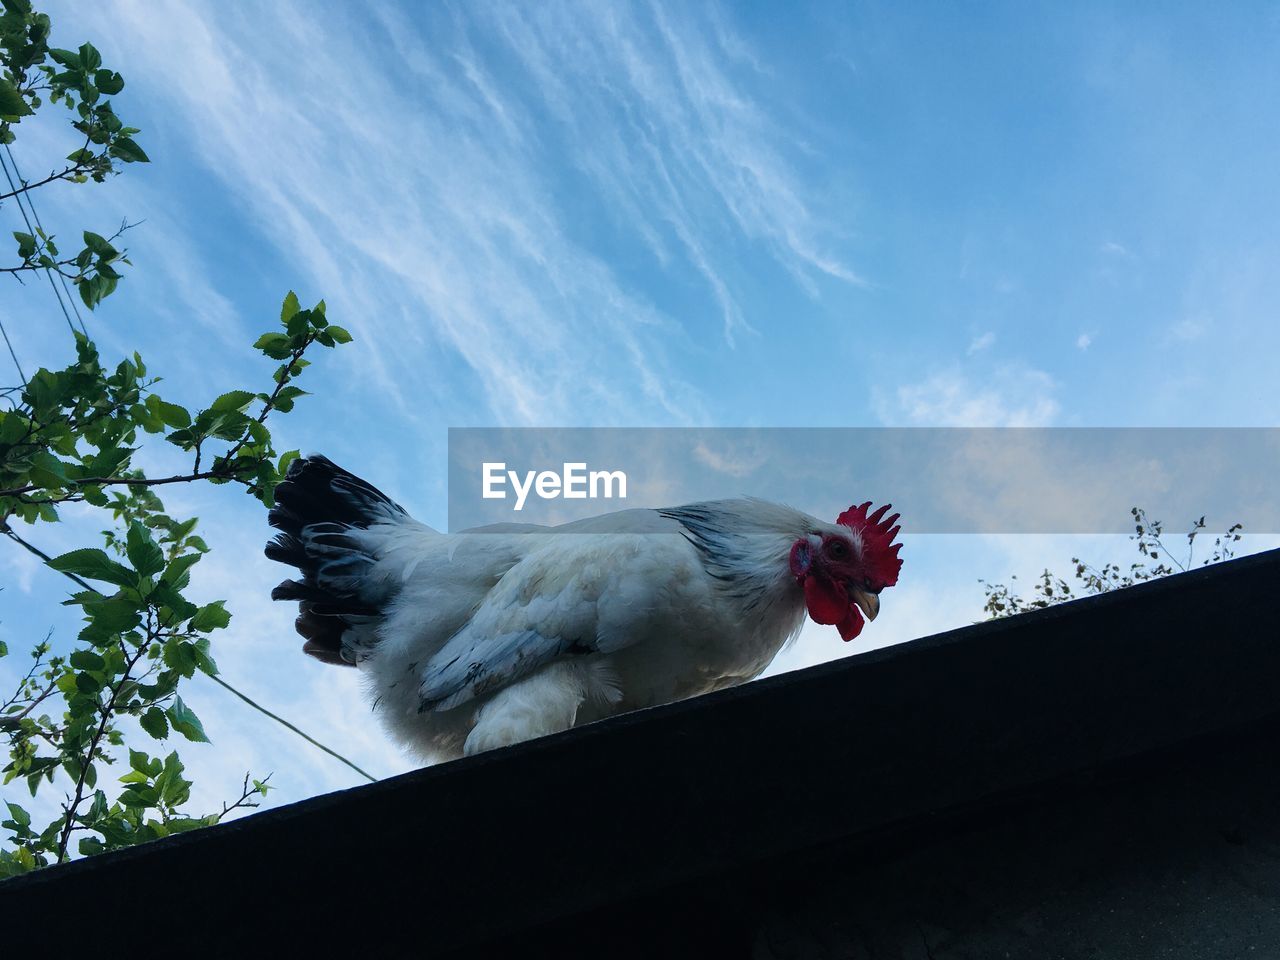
(216, 679)
(106, 714)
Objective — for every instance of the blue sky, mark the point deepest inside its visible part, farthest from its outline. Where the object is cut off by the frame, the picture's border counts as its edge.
(671, 214)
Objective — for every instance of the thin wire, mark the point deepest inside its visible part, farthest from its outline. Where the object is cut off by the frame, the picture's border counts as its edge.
(5, 333)
(20, 198)
(281, 720)
(36, 216)
(27, 220)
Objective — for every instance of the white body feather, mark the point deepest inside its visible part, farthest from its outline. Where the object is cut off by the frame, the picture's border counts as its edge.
(507, 633)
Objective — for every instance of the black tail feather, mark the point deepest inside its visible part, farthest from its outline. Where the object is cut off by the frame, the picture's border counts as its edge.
(287, 548)
(316, 490)
(318, 504)
(296, 590)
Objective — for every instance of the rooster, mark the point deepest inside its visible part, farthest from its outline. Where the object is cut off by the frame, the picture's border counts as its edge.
(481, 639)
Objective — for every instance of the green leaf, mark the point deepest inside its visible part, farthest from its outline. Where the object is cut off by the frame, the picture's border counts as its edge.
(143, 764)
(212, 616)
(285, 398)
(96, 565)
(26, 244)
(289, 307)
(86, 292)
(98, 244)
(172, 414)
(179, 656)
(186, 722)
(87, 660)
(12, 103)
(20, 816)
(186, 439)
(47, 470)
(88, 683)
(13, 426)
(338, 333)
(106, 463)
(175, 790)
(297, 325)
(90, 59)
(267, 339)
(176, 572)
(232, 400)
(98, 809)
(154, 722)
(108, 82)
(274, 345)
(168, 596)
(112, 615)
(228, 425)
(66, 58)
(200, 652)
(143, 552)
(125, 149)
(180, 530)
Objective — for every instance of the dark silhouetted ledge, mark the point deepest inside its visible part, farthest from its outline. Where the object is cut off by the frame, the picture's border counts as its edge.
(966, 785)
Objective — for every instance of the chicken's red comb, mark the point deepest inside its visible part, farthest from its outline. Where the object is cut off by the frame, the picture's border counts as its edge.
(880, 553)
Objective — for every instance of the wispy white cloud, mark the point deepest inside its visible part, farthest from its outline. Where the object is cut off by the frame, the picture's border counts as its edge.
(981, 343)
(1008, 396)
(1084, 341)
(422, 199)
(20, 568)
(738, 461)
(666, 130)
(408, 202)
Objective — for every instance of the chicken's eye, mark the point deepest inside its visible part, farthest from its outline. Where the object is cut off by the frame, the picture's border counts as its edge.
(838, 550)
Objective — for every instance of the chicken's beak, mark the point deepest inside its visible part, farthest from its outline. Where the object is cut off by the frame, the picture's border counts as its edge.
(868, 603)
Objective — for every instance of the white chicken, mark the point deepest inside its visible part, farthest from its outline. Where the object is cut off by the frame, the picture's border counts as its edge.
(481, 639)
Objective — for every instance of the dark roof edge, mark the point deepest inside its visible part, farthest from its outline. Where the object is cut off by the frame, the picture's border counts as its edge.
(780, 765)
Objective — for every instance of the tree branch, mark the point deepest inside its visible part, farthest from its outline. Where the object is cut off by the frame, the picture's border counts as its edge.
(103, 723)
(224, 471)
(74, 170)
(40, 183)
(28, 267)
(37, 660)
(245, 793)
(124, 481)
(274, 397)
